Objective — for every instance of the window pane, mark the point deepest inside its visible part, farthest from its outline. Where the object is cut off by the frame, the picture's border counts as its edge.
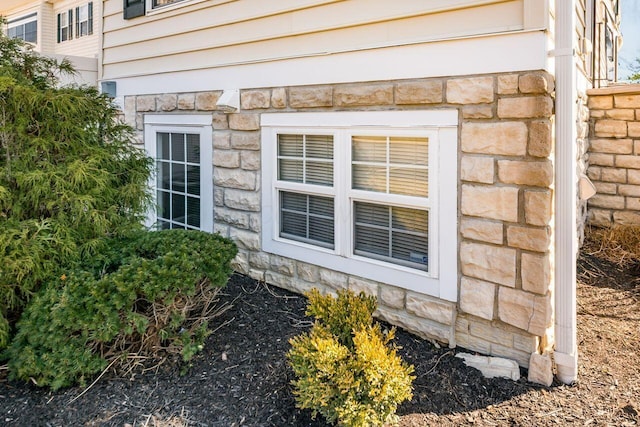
(290, 170)
(178, 177)
(370, 178)
(369, 149)
(404, 240)
(307, 218)
(410, 151)
(177, 147)
(193, 148)
(319, 173)
(164, 207)
(178, 208)
(193, 180)
(193, 212)
(319, 146)
(290, 145)
(164, 175)
(412, 182)
(163, 146)
(158, 3)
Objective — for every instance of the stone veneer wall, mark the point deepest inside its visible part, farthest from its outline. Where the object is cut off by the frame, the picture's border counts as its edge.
(614, 155)
(505, 200)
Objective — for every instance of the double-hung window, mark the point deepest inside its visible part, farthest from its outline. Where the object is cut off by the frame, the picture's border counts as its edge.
(65, 26)
(182, 184)
(24, 28)
(84, 20)
(369, 193)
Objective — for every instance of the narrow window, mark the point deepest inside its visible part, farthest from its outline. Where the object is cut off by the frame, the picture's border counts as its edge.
(65, 26)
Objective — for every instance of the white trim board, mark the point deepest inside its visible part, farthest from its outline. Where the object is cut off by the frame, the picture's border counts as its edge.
(509, 52)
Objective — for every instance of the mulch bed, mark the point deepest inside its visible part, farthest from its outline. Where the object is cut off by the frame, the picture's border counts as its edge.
(242, 377)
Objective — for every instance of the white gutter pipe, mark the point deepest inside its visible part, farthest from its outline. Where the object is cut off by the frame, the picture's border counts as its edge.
(566, 240)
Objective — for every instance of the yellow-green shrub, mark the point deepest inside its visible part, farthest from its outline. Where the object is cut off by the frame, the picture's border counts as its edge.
(345, 368)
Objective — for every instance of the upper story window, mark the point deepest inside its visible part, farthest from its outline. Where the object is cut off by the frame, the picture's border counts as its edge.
(371, 194)
(24, 28)
(83, 22)
(160, 3)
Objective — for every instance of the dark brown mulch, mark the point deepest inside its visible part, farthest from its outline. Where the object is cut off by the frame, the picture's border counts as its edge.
(242, 378)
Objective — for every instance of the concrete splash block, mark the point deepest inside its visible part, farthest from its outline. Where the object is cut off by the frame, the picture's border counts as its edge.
(492, 367)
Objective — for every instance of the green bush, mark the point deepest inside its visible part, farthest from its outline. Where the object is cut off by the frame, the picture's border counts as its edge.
(345, 368)
(69, 175)
(149, 295)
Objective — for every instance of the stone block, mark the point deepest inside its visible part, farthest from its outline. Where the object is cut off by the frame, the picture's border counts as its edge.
(606, 201)
(601, 159)
(226, 158)
(244, 121)
(256, 274)
(491, 263)
(232, 217)
(220, 121)
(613, 175)
(430, 308)
(479, 111)
(492, 367)
(477, 297)
(391, 296)
(597, 114)
(282, 265)
(206, 101)
(636, 147)
(525, 107)
(130, 110)
(243, 200)
(633, 129)
(594, 173)
(363, 95)
(520, 357)
(537, 174)
(628, 161)
(508, 84)
(524, 310)
(221, 229)
(504, 138)
(537, 207)
(620, 114)
(273, 278)
(254, 99)
(255, 222)
(186, 101)
(633, 176)
(540, 138)
(245, 239)
(472, 343)
(221, 140)
(424, 92)
(536, 273)
(306, 97)
(540, 369)
(629, 190)
(245, 140)
(333, 279)
(535, 83)
(470, 90)
(167, 102)
(604, 102)
(626, 218)
(477, 169)
(218, 196)
(279, 98)
(607, 128)
(626, 101)
(606, 187)
(145, 103)
(490, 202)
(307, 272)
(422, 327)
(250, 160)
(357, 285)
(259, 260)
(235, 178)
(525, 343)
(240, 263)
(613, 146)
(599, 217)
(527, 238)
(478, 229)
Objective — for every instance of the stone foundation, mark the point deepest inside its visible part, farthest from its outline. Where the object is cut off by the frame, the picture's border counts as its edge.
(505, 137)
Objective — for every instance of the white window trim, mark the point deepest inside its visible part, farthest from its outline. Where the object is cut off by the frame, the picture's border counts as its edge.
(200, 124)
(168, 7)
(440, 126)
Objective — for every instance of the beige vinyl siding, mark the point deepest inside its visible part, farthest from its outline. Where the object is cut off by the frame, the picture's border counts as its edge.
(198, 35)
(87, 46)
(47, 29)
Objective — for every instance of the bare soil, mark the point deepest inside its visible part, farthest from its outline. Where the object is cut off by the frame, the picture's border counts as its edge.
(242, 377)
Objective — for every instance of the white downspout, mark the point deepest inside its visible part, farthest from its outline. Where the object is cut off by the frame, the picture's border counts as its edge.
(566, 241)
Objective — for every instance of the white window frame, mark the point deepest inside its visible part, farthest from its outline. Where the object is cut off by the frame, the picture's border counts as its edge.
(440, 126)
(178, 4)
(22, 22)
(200, 124)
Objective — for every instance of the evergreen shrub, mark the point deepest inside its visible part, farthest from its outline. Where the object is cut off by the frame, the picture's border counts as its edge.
(345, 368)
(150, 294)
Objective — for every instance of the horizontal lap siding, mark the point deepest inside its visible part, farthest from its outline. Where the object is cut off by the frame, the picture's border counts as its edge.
(199, 36)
